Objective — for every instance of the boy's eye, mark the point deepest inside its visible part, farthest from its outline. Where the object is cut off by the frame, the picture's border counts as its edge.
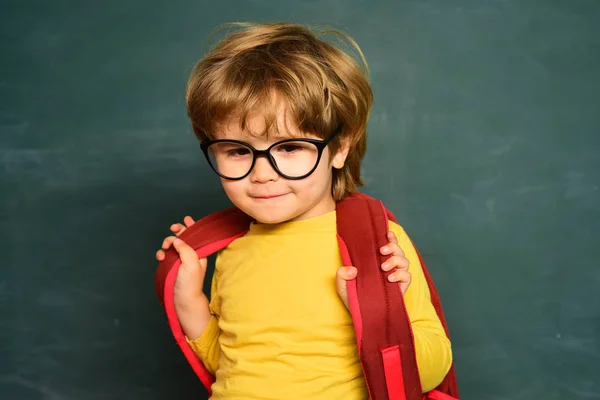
(237, 151)
(289, 148)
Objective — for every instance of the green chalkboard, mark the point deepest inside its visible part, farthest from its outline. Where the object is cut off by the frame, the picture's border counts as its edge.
(484, 139)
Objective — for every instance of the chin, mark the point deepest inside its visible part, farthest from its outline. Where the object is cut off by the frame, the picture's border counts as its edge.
(272, 217)
(274, 211)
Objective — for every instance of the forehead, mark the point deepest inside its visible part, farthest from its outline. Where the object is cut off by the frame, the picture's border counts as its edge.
(258, 128)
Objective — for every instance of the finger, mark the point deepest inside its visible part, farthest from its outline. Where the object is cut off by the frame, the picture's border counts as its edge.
(392, 237)
(398, 262)
(186, 253)
(188, 221)
(177, 228)
(401, 277)
(346, 273)
(166, 244)
(391, 248)
(160, 255)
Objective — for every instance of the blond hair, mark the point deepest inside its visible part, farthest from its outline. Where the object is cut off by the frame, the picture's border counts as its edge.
(323, 87)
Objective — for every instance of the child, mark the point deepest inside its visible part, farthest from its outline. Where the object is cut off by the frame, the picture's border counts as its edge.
(282, 118)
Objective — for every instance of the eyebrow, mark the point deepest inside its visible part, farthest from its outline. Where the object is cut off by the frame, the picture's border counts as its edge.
(271, 138)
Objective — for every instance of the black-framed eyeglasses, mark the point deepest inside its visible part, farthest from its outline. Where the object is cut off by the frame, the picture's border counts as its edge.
(292, 158)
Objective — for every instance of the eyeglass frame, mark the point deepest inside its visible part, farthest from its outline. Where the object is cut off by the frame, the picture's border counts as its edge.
(320, 144)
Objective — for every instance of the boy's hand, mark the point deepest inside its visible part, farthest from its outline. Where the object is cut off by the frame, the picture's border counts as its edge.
(397, 261)
(190, 277)
(177, 229)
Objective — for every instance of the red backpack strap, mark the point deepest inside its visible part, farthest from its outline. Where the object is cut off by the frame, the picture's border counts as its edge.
(206, 236)
(384, 338)
(383, 331)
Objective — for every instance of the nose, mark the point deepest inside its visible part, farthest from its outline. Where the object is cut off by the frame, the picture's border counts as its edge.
(263, 171)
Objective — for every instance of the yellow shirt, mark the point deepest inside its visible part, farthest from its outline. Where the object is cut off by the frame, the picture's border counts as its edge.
(280, 330)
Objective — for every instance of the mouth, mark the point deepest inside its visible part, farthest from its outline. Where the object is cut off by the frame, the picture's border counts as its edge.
(268, 196)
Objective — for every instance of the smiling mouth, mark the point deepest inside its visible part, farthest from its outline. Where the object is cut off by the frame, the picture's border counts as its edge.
(268, 196)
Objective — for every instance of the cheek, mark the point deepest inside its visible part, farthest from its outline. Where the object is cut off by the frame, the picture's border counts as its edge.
(316, 183)
(233, 189)
(324, 170)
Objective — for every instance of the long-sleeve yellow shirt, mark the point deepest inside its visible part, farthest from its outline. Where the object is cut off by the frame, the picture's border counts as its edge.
(279, 329)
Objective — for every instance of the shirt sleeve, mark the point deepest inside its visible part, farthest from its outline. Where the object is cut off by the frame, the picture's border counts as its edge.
(206, 347)
(432, 345)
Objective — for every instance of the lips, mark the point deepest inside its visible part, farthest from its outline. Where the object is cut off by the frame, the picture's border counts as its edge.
(267, 196)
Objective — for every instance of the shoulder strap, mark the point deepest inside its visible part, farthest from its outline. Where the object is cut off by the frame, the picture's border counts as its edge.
(206, 236)
(384, 336)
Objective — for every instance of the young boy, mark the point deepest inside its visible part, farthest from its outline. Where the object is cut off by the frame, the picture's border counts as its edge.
(282, 118)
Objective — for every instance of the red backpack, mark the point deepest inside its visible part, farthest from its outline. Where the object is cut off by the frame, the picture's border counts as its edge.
(384, 339)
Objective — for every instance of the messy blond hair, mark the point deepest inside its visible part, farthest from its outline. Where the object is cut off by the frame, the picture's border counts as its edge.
(323, 88)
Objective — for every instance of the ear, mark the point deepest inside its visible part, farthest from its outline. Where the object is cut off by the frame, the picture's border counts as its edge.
(339, 158)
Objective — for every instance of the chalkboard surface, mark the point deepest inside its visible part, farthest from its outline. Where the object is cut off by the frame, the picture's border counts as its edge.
(484, 139)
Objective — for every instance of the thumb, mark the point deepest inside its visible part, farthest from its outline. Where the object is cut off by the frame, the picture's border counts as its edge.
(186, 253)
(188, 256)
(344, 274)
